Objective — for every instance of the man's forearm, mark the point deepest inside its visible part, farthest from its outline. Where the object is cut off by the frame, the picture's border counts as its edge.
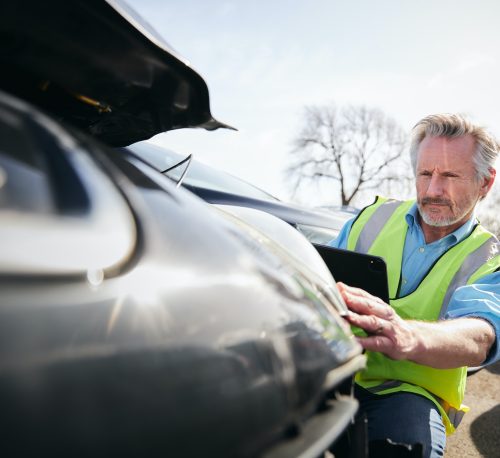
(452, 343)
(443, 345)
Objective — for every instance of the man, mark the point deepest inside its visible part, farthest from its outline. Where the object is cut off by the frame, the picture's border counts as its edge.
(444, 284)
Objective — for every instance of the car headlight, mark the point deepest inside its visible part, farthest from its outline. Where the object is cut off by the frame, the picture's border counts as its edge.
(316, 234)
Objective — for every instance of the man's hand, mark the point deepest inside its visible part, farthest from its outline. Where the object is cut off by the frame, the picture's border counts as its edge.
(443, 345)
(390, 334)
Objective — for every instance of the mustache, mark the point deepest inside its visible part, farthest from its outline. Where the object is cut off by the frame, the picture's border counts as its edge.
(435, 200)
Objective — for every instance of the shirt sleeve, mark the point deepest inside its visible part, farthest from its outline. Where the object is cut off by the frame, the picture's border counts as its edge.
(341, 240)
(481, 300)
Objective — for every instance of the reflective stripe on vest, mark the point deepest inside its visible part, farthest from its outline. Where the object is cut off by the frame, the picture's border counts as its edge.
(377, 221)
(387, 385)
(455, 416)
(488, 250)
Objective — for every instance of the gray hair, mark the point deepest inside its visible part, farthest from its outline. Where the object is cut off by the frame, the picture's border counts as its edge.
(453, 126)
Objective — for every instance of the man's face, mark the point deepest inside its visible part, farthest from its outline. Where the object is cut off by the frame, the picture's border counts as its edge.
(447, 187)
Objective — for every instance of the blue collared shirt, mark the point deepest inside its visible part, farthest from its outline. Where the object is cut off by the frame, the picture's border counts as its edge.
(480, 299)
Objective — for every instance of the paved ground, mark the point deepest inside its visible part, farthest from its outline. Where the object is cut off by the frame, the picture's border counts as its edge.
(479, 433)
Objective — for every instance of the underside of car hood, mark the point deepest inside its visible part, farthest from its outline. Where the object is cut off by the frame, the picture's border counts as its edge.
(96, 65)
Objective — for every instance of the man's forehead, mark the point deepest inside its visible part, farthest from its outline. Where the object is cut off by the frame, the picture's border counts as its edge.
(456, 153)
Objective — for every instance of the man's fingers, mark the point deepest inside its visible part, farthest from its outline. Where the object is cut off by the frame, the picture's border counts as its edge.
(364, 303)
(377, 343)
(370, 323)
(357, 292)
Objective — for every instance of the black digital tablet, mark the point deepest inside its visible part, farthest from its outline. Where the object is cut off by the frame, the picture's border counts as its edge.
(357, 269)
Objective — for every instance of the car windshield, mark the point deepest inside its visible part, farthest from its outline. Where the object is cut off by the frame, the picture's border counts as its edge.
(198, 175)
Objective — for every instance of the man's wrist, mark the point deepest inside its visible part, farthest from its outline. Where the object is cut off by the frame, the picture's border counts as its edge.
(419, 347)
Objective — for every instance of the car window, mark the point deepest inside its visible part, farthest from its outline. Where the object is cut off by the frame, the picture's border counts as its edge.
(198, 175)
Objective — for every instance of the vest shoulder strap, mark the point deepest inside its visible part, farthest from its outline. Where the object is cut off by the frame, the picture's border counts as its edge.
(362, 235)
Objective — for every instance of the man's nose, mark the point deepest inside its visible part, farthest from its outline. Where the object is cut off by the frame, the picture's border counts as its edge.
(436, 185)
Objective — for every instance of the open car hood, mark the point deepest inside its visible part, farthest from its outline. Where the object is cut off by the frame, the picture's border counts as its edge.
(98, 66)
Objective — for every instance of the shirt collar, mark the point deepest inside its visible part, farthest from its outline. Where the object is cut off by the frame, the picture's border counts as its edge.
(457, 235)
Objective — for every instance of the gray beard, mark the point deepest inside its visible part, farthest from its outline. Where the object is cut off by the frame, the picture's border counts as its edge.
(442, 221)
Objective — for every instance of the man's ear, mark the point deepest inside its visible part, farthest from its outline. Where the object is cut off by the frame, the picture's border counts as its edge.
(488, 182)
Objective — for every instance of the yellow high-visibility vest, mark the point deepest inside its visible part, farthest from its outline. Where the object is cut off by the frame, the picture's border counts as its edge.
(380, 229)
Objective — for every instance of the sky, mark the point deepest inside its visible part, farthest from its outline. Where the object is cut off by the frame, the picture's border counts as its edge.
(264, 61)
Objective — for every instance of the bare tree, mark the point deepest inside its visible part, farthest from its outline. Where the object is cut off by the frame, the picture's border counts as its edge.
(355, 148)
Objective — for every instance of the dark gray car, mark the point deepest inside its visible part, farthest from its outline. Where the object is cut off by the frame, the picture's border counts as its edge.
(134, 320)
